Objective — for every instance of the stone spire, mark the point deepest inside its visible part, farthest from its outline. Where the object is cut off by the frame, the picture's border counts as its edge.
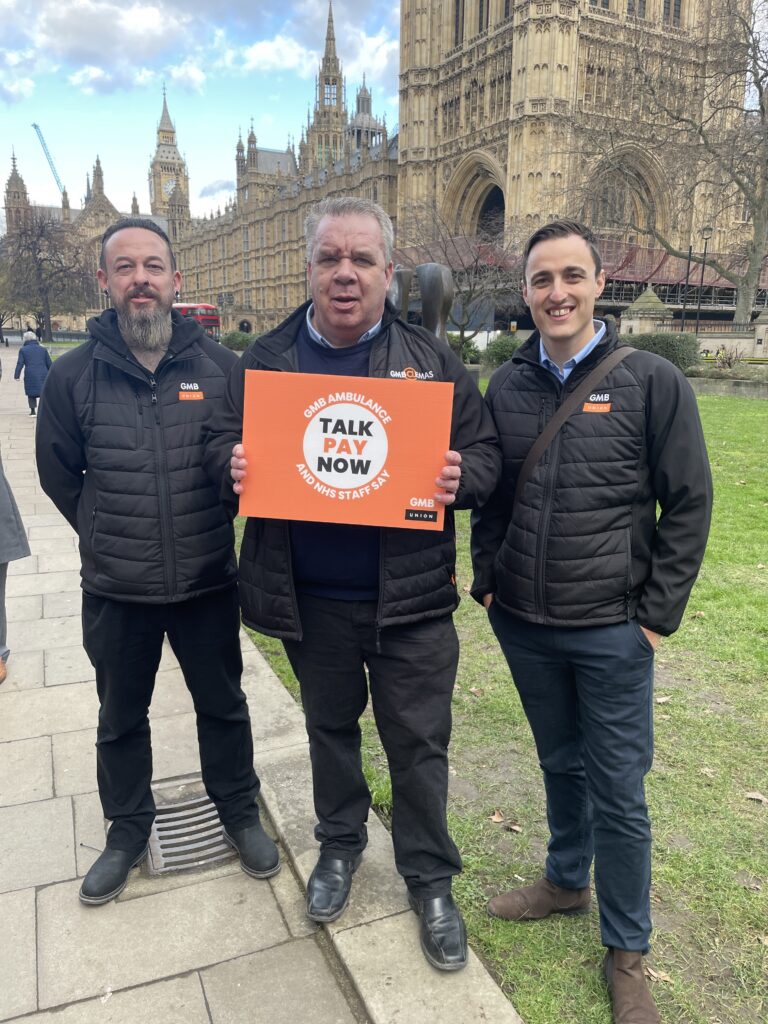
(329, 56)
(98, 178)
(134, 206)
(166, 124)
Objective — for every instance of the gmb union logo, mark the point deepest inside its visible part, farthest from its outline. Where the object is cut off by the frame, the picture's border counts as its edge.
(410, 374)
(345, 447)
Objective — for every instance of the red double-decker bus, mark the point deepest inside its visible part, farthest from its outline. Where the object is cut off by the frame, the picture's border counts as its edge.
(204, 314)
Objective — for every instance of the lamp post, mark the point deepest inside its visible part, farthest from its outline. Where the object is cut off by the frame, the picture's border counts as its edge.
(685, 289)
(706, 234)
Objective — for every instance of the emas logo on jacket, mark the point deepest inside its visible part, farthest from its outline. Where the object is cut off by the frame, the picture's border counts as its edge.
(334, 449)
(410, 374)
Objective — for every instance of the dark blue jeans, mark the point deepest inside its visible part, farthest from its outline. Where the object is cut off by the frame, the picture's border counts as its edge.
(588, 696)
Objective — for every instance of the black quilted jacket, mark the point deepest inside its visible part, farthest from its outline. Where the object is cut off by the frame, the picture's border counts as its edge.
(120, 452)
(417, 567)
(584, 546)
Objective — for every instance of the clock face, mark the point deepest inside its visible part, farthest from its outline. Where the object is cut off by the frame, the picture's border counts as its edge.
(169, 186)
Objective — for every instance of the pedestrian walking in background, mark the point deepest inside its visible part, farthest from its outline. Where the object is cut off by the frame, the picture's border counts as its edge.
(13, 545)
(35, 361)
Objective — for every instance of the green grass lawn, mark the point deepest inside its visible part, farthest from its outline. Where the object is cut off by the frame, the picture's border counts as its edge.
(710, 879)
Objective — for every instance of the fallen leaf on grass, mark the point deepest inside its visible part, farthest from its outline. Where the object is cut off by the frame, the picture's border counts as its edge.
(741, 483)
(465, 589)
(656, 975)
(512, 826)
(476, 691)
(699, 615)
(763, 940)
(497, 817)
(757, 797)
(709, 772)
(663, 718)
(663, 700)
(760, 565)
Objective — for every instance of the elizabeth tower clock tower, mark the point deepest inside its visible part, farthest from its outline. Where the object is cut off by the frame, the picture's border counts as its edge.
(168, 172)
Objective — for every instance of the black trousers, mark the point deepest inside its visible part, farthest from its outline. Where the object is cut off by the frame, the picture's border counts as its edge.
(411, 670)
(124, 643)
(32, 402)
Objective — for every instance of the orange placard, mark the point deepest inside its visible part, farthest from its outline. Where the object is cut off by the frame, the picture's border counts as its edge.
(334, 449)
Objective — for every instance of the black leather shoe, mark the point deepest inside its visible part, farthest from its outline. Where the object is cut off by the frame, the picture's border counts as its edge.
(329, 887)
(259, 856)
(443, 935)
(108, 876)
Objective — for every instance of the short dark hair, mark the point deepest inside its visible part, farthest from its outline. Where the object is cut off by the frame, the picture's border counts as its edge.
(134, 222)
(563, 229)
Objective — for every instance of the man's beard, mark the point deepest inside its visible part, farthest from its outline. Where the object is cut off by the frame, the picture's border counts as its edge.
(146, 329)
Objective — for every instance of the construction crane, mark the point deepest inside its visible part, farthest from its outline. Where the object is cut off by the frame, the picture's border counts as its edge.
(48, 156)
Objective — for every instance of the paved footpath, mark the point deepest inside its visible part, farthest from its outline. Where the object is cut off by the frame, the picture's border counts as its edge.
(202, 947)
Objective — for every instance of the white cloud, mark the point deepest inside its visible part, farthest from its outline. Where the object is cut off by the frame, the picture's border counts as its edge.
(188, 74)
(13, 90)
(213, 188)
(375, 56)
(91, 79)
(281, 54)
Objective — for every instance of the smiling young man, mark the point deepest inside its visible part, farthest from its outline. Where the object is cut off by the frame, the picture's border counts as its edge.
(358, 605)
(581, 578)
(120, 452)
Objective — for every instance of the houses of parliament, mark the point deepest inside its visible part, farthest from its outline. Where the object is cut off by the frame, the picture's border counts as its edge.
(495, 99)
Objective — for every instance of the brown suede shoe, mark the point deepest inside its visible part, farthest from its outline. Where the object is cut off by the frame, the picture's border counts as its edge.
(537, 901)
(630, 995)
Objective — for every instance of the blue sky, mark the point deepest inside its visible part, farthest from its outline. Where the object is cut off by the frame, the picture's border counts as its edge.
(91, 73)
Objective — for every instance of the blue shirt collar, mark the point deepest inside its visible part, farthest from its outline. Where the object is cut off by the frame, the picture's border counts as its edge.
(317, 337)
(563, 375)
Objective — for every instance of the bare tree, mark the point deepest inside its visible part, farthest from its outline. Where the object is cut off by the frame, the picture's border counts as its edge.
(703, 118)
(8, 307)
(50, 269)
(486, 267)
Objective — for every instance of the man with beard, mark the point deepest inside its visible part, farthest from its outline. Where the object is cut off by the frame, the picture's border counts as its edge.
(119, 451)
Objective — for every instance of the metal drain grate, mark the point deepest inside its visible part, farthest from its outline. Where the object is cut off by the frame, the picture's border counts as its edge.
(186, 834)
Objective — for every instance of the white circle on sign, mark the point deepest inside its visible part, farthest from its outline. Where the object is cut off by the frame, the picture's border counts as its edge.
(345, 445)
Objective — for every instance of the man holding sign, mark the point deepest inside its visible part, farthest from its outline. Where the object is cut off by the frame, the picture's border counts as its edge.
(346, 597)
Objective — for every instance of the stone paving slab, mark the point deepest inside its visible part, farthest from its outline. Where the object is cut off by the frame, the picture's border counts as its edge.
(239, 992)
(176, 1001)
(52, 518)
(396, 983)
(60, 530)
(23, 566)
(85, 950)
(26, 671)
(24, 609)
(43, 583)
(30, 636)
(90, 828)
(18, 962)
(53, 545)
(46, 711)
(68, 664)
(26, 771)
(36, 844)
(66, 561)
(63, 603)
